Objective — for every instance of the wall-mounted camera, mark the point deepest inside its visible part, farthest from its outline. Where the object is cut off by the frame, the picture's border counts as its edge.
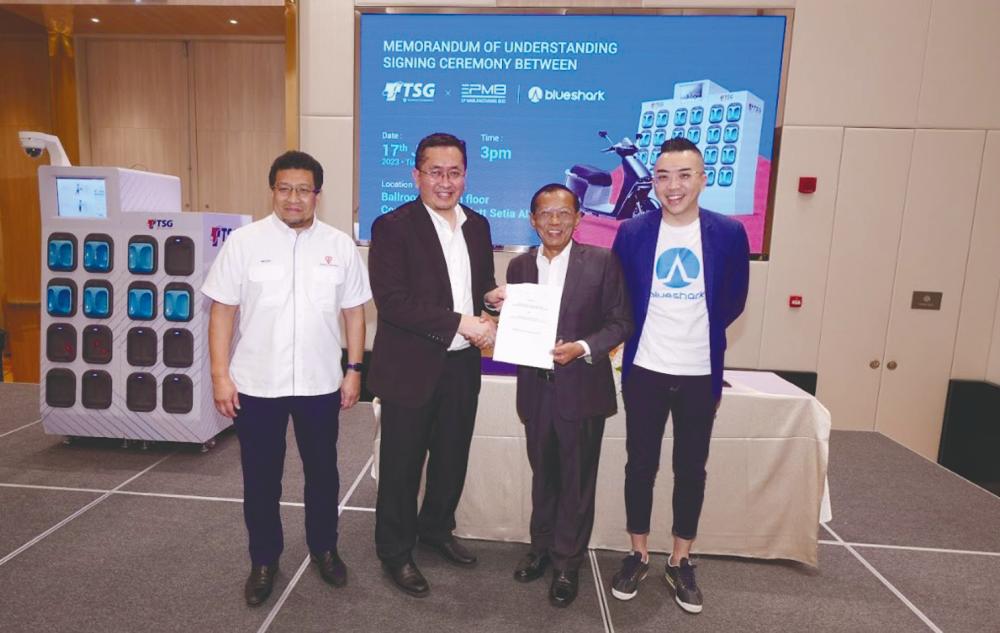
(34, 143)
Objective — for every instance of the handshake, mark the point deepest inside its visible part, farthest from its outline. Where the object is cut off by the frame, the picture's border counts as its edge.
(481, 331)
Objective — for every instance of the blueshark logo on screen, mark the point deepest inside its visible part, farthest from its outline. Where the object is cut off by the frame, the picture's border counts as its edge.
(537, 93)
(678, 267)
(529, 95)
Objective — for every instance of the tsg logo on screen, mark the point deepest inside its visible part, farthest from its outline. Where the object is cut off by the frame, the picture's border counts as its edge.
(409, 92)
(160, 224)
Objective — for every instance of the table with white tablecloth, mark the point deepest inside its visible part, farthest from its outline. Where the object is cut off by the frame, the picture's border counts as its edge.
(766, 490)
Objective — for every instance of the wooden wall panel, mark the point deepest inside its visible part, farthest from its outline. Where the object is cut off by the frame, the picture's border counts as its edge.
(232, 170)
(329, 140)
(960, 59)
(800, 247)
(993, 365)
(24, 105)
(239, 123)
(325, 75)
(979, 309)
(137, 101)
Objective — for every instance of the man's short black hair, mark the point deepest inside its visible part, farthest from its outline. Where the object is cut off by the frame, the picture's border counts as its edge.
(293, 159)
(679, 144)
(441, 139)
(552, 187)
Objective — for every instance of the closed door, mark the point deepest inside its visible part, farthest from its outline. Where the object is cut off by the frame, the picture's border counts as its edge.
(933, 249)
(869, 214)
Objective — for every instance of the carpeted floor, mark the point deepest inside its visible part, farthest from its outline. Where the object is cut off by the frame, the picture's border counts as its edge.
(95, 536)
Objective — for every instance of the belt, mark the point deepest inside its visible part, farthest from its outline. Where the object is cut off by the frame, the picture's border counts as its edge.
(547, 375)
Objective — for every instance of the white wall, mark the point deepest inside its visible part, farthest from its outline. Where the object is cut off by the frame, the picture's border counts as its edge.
(901, 64)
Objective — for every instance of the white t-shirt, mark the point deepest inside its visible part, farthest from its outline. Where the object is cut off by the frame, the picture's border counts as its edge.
(456, 258)
(674, 338)
(290, 287)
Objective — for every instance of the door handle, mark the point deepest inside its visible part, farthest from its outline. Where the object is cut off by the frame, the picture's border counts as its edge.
(891, 365)
(874, 364)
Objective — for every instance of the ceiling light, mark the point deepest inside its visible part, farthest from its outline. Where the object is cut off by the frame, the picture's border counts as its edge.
(95, 20)
(233, 21)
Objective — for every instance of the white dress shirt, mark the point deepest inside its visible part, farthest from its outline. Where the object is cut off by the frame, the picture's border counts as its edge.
(553, 273)
(290, 288)
(456, 256)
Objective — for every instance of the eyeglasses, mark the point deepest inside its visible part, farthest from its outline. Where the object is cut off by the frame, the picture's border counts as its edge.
(285, 191)
(682, 177)
(562, 215)
(440, 175)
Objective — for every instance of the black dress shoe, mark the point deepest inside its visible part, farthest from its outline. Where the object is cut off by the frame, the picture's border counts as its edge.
(331, 568)
(259, 584)
(531, 567)
(408, 578)
(453, 552)
(565, 584)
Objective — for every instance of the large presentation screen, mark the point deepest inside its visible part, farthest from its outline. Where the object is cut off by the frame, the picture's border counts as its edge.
(583, 100)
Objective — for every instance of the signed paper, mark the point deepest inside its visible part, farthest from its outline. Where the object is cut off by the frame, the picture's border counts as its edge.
(526, 333)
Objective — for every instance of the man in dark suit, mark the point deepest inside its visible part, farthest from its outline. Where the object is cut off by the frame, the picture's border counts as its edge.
(563, 409)
(431, 268)
(687, 271)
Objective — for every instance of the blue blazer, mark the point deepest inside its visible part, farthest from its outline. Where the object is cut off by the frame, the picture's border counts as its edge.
(726, 255)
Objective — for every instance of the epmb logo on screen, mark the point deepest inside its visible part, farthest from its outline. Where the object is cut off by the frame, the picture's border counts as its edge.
(483, 93)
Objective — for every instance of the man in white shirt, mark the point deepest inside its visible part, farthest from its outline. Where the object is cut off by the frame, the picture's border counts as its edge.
(431, 264)
(563, 409)
(290, 277)
(687, 271)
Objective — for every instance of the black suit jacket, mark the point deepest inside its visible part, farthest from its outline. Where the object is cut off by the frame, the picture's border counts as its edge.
(594, 308)
(416, 318)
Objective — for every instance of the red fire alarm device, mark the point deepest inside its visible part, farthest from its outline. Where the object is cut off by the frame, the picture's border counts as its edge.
(807, 184)
(794, 301)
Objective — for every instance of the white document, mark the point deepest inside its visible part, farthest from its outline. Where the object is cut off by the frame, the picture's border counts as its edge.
(528, 324)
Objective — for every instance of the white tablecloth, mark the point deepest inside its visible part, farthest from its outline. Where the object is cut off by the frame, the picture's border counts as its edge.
(766, 490)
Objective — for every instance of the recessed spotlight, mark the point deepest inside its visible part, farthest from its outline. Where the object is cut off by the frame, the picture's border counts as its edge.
(233, 21)
(95, 20)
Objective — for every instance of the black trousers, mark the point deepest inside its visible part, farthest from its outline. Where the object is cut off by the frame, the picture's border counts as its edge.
(439, 432)
(261, 424)
(649, 398)
(564, 456)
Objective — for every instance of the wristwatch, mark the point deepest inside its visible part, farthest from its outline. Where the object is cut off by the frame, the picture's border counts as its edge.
(356, 366)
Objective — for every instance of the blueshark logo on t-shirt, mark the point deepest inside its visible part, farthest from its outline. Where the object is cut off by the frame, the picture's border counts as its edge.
(677, 267)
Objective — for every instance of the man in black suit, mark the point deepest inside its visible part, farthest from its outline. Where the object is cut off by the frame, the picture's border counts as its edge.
(563, 409)
(431, 268)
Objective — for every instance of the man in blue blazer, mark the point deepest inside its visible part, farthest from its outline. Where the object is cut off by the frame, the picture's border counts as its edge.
(687, 273)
